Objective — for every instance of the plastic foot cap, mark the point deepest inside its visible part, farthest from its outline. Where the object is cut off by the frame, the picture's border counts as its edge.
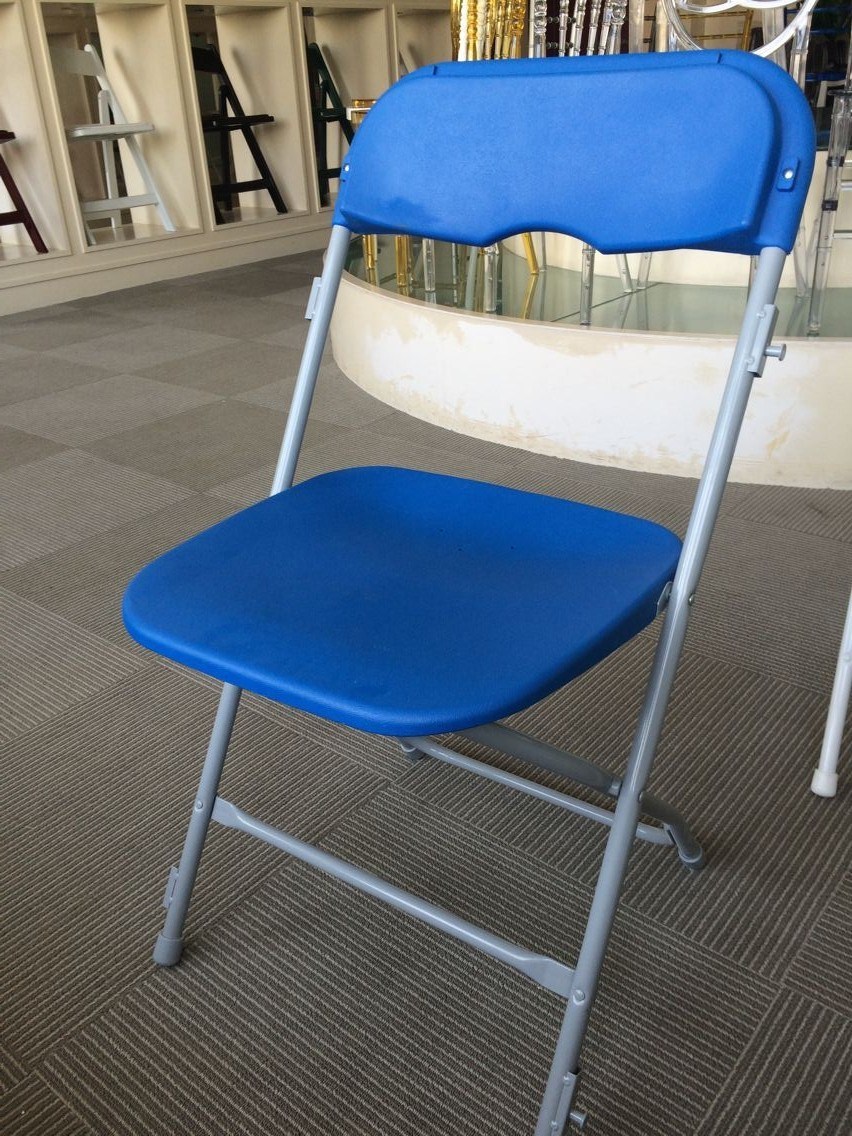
(694, 859)
(167, 951)
(824, 784)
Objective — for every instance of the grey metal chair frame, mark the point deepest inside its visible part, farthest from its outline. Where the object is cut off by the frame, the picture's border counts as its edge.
(576, 984)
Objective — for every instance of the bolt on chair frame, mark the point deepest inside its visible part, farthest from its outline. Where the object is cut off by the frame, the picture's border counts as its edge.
(766, 124)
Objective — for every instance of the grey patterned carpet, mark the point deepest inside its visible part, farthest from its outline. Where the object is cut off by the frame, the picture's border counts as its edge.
(130, 421)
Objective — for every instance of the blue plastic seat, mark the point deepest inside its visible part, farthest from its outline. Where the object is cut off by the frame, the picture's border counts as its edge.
(364, 596)
(413, 604)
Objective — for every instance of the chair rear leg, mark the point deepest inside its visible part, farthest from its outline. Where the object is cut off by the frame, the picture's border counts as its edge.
(169, 945)
(556, 1105)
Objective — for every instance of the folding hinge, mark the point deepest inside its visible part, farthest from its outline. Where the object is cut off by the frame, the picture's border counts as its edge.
(761, 346)
(171, 884)
(564, 1111)
(313, 298)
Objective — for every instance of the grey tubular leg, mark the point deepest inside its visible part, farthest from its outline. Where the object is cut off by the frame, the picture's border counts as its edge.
(169, 945)
(300, 405)
(545, 756)
(748, 361)
(170, 942)
(690, 851)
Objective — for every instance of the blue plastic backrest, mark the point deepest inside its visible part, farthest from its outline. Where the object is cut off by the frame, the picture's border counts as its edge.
(709, 149)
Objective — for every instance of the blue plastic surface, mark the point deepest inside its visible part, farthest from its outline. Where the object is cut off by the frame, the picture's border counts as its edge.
(626, 152)
(403, 602)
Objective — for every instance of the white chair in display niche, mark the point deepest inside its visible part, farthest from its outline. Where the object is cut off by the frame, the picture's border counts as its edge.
(112, 126)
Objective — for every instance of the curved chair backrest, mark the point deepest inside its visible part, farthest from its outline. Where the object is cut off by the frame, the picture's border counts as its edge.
(708, 150)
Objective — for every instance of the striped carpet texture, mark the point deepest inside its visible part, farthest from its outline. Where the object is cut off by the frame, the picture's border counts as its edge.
(129, 422)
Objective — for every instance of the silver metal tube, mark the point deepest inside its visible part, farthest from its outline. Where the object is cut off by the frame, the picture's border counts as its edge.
(553, 975)
(636, 34)
(587, 284)
(544, 756)
(582, 808)
(614, 865)
(306, 380)
(429, 275)
(576, 37)
(169, 945)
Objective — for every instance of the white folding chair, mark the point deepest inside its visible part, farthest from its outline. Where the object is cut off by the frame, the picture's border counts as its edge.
(112, 126)
(413, 604)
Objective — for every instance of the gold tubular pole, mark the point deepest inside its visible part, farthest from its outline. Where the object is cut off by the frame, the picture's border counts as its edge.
(402, 248)
(481, 26)
(472, 11)
(489, 29)
(464, 14)
(455, 26)
(356, 113)
(529, 253)
(499, 28)
(526, 306)
(746, 36)
(517, 19)
(370, 245)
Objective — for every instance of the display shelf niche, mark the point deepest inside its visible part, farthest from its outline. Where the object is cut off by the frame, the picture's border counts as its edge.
(137, 47)
(256, 43)
(28, 156)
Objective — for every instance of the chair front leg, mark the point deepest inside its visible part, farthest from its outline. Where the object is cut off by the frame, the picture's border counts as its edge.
(169, 945)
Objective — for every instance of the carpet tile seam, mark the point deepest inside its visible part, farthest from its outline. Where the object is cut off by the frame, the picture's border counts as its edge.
(843, 882)
(76, 706)
(790, 1031)
(693, 946)
(209, 923)
(625, 904)
(817, 688)
(54, 1094)
(723, 1092)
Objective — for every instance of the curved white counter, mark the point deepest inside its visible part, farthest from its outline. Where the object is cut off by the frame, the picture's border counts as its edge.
(642, 400)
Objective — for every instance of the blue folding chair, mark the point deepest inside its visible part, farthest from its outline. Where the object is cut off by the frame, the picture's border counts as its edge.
(356, 595)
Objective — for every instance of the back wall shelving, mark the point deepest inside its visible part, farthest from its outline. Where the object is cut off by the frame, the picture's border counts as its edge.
(146, 47)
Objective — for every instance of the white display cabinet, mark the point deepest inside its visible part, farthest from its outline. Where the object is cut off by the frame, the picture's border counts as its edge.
(422, 35)
(136, 44)
(29, 156)
(355, 42)
(146, 47)
(253, 39)
(356, 45)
